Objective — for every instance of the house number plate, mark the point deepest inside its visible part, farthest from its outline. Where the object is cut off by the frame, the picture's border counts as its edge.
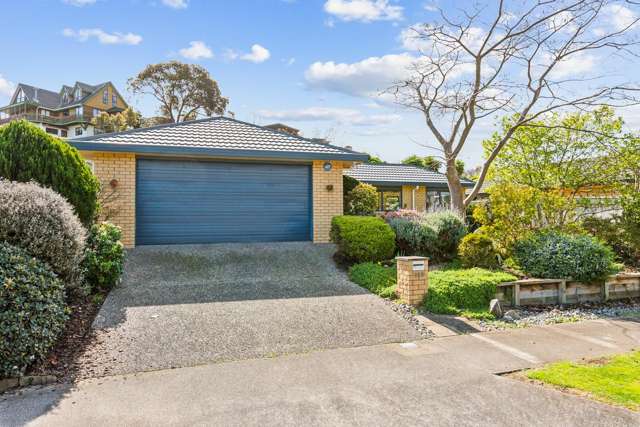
(418, 265)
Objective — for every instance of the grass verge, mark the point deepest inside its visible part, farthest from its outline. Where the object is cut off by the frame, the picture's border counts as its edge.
(613, 380)
(377, 278)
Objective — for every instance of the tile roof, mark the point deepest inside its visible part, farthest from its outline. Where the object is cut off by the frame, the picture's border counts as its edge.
(397, 174)
(49, 99)
(216, 136)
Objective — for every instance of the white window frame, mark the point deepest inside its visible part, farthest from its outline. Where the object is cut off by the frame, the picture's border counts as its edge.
(78, 129)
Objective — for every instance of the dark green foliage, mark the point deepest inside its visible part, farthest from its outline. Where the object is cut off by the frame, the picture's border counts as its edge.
(348, 184)
(477, 250)
(32, 309)
(104, 259)
(457, 291)
(449, 229)
(361, 238)
(613, 233)
(28, 153)
(377, 278)
(414, 237)
(555, 255)
(362, 200)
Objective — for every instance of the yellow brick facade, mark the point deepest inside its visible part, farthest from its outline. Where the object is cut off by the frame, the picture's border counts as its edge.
(327, 202)
(420, 200)
(118, 169)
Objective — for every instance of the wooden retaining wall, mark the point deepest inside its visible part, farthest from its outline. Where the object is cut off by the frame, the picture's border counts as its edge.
(558, 291)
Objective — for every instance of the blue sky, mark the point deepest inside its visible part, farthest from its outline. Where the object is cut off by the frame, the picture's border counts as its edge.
(313, 64)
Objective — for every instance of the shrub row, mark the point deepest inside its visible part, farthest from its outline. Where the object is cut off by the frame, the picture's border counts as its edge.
(362, 238)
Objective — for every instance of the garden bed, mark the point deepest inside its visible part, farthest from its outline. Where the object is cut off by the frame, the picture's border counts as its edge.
(62, 359)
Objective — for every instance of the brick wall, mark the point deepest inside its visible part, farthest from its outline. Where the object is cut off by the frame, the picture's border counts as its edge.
(122, 204)
(421, 197)
(326, 203)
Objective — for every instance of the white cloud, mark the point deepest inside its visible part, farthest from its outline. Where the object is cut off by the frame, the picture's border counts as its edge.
(620, 17)
(575, 64)
(79, 3)
(289, 62)
(196, 50)
(176, 4)
(258, 54)
(103, 37)
(339, 115)
(363, 78)
(6, 87)
(430, 7)
(363, 10)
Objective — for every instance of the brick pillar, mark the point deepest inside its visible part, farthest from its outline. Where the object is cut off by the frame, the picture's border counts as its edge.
(412, 279)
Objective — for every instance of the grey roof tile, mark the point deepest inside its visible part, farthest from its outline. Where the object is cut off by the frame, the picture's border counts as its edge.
(217, 134)
(394, 174)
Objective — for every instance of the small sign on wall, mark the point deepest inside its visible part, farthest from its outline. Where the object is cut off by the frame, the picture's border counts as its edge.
(418, 265)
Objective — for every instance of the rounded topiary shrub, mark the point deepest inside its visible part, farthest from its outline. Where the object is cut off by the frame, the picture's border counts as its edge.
(361, 239)
(477, 250)
(28, 153)
(414, 237)
(556, 255)
(43, 223)
(450, 229)
(32, 309)
(362, 200)
(104, 259)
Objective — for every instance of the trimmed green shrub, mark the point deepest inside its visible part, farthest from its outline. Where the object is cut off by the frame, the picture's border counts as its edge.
(458, 291)
(377, 278)
(362, 200)
(43, 223)
(414, 237)
(362, 239)
(477, 250)
(104, 259)
(555, 255)
(449, 229)
(28, 153)
(32, 309)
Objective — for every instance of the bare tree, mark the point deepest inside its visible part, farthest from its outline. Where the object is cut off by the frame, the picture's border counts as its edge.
(513, 58)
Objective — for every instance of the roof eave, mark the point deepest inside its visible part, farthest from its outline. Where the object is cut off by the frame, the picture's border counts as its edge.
(411, 182)
(211, 152)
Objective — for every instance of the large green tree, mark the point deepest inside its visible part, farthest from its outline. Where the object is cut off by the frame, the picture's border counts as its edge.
(427, 162)
(184, 91)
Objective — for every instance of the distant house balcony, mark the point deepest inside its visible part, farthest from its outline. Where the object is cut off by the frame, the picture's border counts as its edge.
(51, 120)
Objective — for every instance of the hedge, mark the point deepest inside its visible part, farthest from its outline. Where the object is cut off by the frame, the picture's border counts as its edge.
(362, 238)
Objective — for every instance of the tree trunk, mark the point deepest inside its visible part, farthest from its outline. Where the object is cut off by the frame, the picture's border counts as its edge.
(455, 187)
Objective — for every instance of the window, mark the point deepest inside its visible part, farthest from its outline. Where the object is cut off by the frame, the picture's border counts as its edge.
(52, 131)
(63, 133)
(390, 200)
(78, 93)
(65, 113)
(45, 113)
(96, 112)
(78, 131)
(438, 199)
(78, 111)
(20, 96)
(114, 100)
(105, 96)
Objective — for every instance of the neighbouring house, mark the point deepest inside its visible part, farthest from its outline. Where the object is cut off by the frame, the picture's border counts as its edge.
(218, 180)
(66, 113)
(405, 186)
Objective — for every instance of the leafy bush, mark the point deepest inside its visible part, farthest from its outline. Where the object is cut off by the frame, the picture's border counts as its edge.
(402, 213)
(613, 232)
(44, 224)
(477, 250)
(556, 255)
(32, 309)
(377, 278)
(104, 259)
(362, 200)
(435, 234)
(348, 184)
(457, 291)
(28, 153)
(362, 239)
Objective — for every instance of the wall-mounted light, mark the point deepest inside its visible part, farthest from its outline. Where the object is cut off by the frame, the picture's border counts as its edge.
(327, 166)
(330, 187)
(113, 183)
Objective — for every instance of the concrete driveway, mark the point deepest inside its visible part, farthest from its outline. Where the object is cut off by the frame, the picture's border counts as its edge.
(188, 305)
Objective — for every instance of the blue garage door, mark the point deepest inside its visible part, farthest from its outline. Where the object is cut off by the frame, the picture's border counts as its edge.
(212, 202)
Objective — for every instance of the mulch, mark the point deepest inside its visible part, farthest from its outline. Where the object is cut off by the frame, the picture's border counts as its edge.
(63, 359)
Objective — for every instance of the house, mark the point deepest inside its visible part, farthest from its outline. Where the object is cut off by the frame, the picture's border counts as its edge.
(219, 180)
(66, 113)
(405, 186)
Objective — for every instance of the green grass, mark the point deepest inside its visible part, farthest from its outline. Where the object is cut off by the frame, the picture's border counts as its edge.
(377, 278)
(452, 290)
(614, 380)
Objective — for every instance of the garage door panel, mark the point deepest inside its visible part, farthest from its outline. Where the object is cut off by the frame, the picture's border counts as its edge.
(210, 202)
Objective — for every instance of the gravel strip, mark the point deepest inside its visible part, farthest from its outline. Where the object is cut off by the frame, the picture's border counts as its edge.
(407, 313)
(547, 315)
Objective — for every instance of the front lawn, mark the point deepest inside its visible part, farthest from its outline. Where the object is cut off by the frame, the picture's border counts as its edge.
(452, 290)
(613, 380)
